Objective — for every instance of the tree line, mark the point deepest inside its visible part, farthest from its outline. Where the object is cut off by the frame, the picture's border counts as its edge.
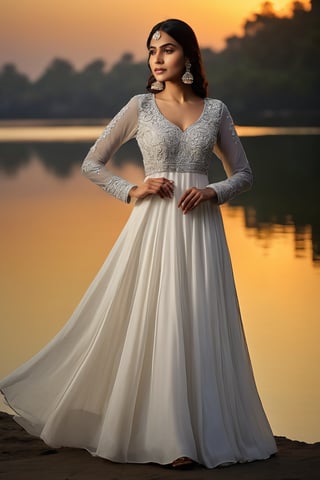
(268, 75)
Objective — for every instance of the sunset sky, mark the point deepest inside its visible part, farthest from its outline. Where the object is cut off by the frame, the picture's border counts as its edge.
(33, 32)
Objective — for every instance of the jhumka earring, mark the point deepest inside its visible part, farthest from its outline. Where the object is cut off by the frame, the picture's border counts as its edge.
(187, 77)
(158, 86)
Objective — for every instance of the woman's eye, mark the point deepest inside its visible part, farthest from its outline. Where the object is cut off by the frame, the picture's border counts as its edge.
(152, 52)
(168, 50)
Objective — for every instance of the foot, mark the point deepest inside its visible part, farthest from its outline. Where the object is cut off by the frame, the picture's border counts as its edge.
(182, 463)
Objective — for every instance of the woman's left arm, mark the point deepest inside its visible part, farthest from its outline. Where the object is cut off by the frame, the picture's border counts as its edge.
(235, 163)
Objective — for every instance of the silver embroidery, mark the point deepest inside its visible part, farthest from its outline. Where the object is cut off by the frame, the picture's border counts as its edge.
(232, 128)
(110, 126)
(165, 147)
(89, 167)
(118, 187)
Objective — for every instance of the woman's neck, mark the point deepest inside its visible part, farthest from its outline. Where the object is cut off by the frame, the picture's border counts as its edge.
(178, 93)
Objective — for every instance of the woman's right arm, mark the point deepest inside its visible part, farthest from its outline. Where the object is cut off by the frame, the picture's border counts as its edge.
(122, 128)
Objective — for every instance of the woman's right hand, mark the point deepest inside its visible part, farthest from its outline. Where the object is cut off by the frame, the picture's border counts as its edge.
(153, 186)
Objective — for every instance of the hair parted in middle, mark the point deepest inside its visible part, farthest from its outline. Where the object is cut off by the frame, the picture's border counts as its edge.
(182, 33)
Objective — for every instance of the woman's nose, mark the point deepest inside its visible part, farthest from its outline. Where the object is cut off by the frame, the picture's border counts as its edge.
(159, 58)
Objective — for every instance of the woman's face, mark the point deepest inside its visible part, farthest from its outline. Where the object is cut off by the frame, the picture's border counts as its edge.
(166, 59)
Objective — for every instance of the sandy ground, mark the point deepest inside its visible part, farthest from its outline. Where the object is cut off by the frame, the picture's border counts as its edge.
(23, 457)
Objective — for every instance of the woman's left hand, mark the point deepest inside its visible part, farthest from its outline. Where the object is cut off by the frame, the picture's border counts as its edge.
(193, 196)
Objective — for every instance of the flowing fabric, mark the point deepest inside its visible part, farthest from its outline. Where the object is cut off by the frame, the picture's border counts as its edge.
(153, 364)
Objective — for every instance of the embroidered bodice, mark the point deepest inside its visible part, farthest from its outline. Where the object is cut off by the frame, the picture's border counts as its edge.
(165, 147)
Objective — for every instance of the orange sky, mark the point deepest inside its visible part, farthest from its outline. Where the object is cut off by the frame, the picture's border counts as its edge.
(35, 31)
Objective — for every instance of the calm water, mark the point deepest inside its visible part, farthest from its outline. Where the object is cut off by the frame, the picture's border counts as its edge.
(57, 228)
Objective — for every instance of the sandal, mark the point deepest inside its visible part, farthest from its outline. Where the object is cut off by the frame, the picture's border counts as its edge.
(182, 463)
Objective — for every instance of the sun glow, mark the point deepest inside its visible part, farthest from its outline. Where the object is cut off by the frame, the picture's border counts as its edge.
(30, 38)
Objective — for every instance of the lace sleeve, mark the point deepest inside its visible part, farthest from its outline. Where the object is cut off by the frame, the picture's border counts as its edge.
(122, 128)
(232, 155)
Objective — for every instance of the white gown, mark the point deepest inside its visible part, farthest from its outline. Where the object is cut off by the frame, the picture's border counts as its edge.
(153, 364)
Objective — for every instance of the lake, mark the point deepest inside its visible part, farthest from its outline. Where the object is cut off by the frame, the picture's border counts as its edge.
(57, 228)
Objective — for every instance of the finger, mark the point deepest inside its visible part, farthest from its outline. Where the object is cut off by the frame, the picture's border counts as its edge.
(184, 200)
(188, 201)
(183, 197)
(161, 190)
(191, 202)
(160, 186)
(167, 188)
(154, 187)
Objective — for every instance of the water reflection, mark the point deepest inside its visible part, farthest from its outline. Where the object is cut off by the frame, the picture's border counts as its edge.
(286, 189)
(285, 196)
(58, 157)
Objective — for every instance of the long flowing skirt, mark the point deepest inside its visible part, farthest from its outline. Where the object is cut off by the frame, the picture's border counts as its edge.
(153, 364)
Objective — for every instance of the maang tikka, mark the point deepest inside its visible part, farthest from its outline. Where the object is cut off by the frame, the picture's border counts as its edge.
(156, 35)
(187, 77)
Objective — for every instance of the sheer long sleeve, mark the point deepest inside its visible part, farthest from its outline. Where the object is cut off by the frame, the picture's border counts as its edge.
(122, 128)
(235, 163)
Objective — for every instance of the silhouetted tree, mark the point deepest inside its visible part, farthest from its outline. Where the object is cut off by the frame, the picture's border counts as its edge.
(89, 89)
(268, 75)
(54, 92)
(14, 88)
(271, 73)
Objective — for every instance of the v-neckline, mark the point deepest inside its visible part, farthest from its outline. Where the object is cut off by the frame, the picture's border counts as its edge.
(174, 124)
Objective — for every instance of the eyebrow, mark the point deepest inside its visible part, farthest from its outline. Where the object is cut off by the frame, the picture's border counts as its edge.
(164, 45)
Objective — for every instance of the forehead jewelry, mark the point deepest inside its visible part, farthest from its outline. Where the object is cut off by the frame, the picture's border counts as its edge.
(156, 35)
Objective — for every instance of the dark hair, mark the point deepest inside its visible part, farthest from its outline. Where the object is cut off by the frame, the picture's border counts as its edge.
(185, 36)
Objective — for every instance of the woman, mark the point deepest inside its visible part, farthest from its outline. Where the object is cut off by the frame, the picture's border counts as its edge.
(153, 365)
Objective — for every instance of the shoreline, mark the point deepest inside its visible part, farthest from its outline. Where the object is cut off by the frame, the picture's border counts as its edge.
(24, 457)
(88, 130)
